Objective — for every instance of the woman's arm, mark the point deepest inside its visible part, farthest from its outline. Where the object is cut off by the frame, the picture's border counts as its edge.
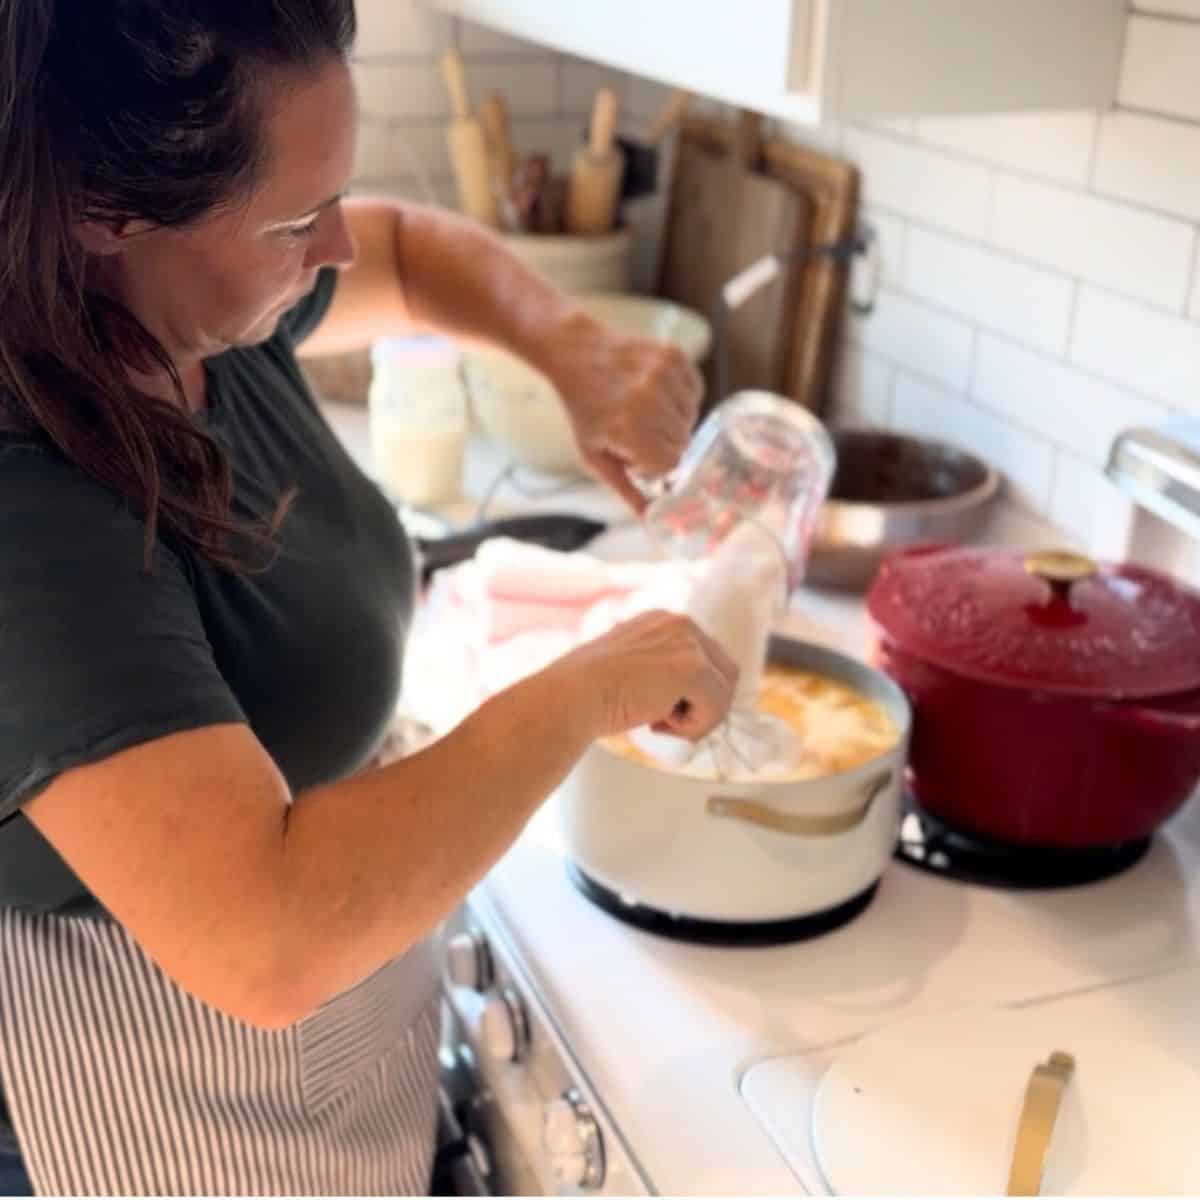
(424, 268)
(265, 907)
(632, 401)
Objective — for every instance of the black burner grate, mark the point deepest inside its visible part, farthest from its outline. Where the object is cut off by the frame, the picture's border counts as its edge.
(719, 933)
(930, 845)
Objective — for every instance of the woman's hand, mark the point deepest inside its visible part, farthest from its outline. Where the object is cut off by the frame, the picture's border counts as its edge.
(632, 401)
(659, 669)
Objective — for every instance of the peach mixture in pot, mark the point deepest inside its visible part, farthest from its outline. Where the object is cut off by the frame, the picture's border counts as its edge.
(838, 727)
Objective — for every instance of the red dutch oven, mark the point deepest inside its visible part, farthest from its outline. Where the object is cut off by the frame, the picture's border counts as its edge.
(1057, 700)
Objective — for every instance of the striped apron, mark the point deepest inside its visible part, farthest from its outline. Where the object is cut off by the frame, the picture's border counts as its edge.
(121, 1083)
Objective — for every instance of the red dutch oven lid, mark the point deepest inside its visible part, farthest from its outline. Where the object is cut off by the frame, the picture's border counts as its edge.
(1055, 622)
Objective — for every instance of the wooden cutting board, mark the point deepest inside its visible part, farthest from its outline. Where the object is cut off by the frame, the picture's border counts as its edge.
(722, 217)
(830, 186)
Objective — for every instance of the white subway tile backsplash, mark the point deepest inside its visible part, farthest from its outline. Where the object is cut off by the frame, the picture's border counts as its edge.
(581, 80)
(406, 27)
(1154, 354)
(1159, 70)
(919, 182)
(825, 138)
(862, 385)
(1150, 160)
(1029, 304)
(924, 410)
(478, 39)
(1171, 8)
(645, 97)
(1087, 505)
(1123, 248)
(1055, 145)
(1055, 401)
(438, 190)
(389, 149)
(389, 90)
(913, 335)
(1026, 462)
(1010, 525)
(901, 126)
(529, 88)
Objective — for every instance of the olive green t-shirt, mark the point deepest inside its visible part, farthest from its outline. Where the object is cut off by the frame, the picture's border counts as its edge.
(97, 656)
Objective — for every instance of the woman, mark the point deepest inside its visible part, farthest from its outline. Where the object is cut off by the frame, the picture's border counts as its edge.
(214, 973)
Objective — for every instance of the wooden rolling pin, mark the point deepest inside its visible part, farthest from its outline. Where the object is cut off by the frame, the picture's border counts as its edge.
(672, 114)
(596, 172)
(493, 113)
(502, 158)
(468, 147)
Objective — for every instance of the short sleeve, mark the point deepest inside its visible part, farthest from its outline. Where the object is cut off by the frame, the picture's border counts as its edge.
(96, 654)
(303, 318)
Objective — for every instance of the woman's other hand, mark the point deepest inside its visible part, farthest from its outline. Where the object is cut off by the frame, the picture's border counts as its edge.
(632, 401)
(659, 669)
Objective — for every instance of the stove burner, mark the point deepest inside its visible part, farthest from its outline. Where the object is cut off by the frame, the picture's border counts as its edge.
(719, 933)
(930, 845)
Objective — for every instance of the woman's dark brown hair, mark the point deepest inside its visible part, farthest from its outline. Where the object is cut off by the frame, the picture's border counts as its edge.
(129, 109)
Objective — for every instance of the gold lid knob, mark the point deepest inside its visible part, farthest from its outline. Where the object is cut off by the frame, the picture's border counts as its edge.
(1060, 566)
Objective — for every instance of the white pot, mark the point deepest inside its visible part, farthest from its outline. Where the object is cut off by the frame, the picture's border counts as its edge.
(741, 852)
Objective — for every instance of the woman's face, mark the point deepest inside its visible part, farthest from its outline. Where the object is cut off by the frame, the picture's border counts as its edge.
(226, 280)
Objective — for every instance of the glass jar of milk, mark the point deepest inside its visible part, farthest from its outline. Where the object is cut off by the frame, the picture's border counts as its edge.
(418, 419)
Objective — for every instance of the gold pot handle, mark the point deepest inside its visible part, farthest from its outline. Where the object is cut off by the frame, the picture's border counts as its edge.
(738, 808)
(1061, 569)
(1043, 1096)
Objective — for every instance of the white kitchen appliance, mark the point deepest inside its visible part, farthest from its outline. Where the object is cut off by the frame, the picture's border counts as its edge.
(533, 1121)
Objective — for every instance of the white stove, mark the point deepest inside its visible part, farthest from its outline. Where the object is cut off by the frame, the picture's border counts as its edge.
(667, 1033)
(684, 1054)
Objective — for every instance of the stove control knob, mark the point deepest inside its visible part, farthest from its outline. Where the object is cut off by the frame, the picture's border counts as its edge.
(573, 1142)
(469, 961)
(504, 1028)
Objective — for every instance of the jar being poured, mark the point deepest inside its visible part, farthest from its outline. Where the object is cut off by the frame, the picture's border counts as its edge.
(744, 501)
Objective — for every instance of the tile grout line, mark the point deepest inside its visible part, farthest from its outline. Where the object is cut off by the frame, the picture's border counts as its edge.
(1007, 255)
(1085, 188)
(1006, 336)
(1193, 280)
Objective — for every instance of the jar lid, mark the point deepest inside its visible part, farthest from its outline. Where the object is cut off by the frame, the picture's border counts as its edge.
(1054, 621)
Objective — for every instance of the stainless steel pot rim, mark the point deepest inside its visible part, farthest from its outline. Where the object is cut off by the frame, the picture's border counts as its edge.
(977, 495)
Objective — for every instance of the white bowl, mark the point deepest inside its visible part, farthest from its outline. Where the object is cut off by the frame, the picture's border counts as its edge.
(517, 406)
(658, 319)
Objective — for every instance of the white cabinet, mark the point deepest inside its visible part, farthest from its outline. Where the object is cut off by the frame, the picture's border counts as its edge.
(815, 60)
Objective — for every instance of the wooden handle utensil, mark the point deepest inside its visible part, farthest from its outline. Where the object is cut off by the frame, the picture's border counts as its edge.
(671, 115)
(529, 181)
(596, 172)
(467, 145)
(493, 114)
(1038, 1116)
(502, 158)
